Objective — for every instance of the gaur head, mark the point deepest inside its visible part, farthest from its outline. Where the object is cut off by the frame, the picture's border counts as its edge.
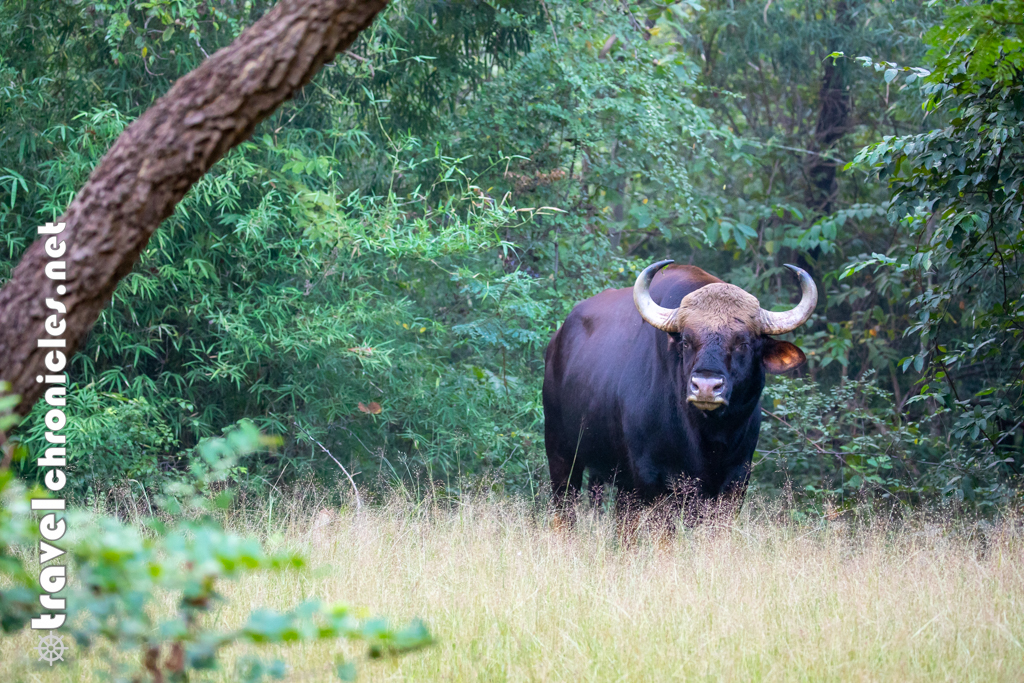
(721, 336)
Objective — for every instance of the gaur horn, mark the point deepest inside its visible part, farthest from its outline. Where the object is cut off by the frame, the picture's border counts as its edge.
(787, 321)
(658, 316)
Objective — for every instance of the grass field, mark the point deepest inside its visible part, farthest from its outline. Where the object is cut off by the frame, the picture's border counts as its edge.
(759, 598)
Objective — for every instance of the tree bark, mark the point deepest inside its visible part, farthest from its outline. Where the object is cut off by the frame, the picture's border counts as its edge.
(833, 123)
(152, 165)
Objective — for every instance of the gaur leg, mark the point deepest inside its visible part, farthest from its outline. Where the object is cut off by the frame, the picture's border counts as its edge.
(566, 480)
(640, 489)
(637, 517)
(734, 487)
(596, 485)
(628, 516)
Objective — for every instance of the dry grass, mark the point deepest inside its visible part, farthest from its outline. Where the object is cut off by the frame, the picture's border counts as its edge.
(510, 599)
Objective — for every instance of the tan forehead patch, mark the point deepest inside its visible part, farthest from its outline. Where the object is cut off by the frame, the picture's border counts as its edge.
(719, 307)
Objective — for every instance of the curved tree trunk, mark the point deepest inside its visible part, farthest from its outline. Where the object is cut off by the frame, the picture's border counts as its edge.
(153, 164)
(833, 122)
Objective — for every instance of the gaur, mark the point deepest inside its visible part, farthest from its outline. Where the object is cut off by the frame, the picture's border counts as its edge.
(657, 388)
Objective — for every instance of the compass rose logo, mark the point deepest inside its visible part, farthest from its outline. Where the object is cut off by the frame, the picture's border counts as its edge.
(51, 648)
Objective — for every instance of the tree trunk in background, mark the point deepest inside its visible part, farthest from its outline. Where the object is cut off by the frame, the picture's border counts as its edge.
(619, 207)
(833, 123)
(152, 165)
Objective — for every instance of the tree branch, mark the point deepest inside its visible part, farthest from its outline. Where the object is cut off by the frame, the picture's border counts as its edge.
(359, 502)
(153, 164)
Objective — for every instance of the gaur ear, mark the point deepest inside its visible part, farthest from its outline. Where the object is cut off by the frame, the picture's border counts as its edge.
(780, 356)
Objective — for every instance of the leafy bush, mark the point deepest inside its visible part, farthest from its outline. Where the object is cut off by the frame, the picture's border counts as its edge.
(122, 574)
(956, 197)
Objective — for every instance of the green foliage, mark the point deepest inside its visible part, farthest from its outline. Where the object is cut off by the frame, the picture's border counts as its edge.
(955, 193)
(123, 573)
(115, 438)
(976, 43)
(8, 402)
(384, 261)
(297, 282)
(840, 443)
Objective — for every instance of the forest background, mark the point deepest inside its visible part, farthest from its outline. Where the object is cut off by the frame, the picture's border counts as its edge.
(377, 271)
